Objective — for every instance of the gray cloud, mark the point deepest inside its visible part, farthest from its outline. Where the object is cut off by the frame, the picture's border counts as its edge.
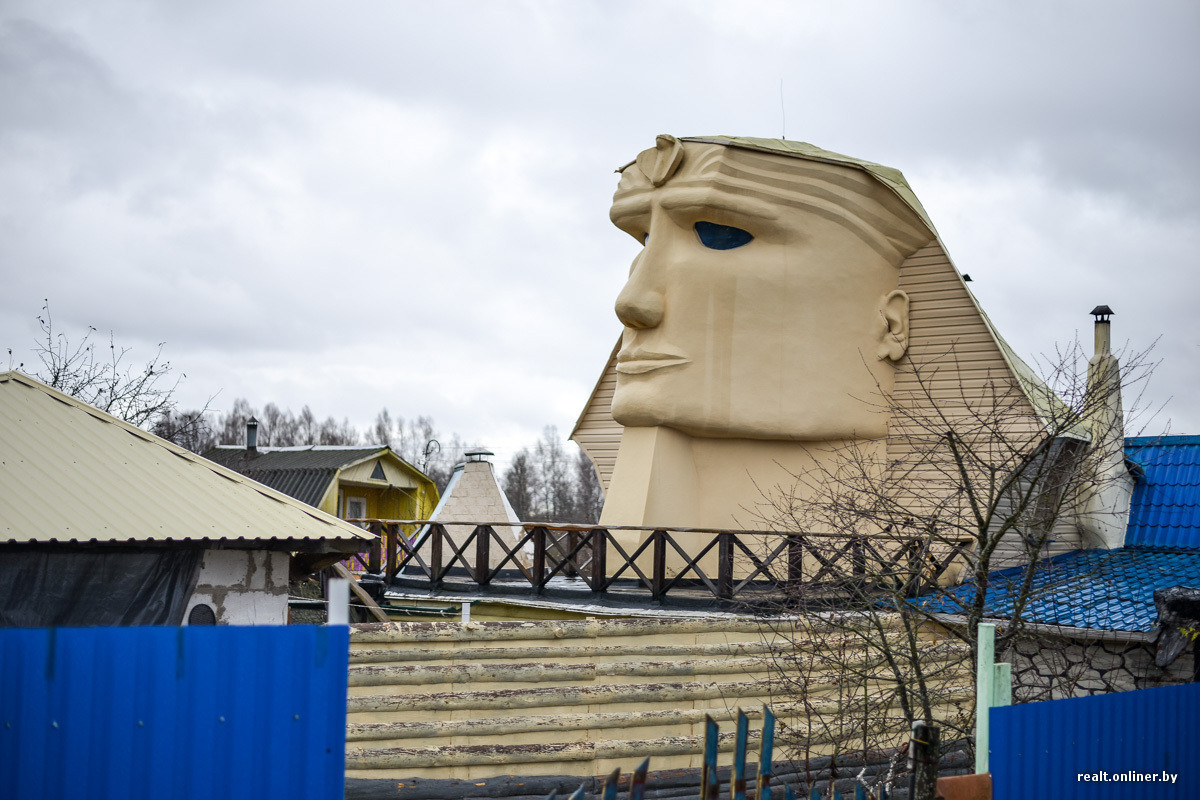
(405, 204)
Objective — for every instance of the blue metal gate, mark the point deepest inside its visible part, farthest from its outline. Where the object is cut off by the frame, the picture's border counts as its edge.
(1126, 745)
(188, 713)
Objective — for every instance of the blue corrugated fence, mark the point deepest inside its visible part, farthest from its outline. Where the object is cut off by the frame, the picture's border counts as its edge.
(188, 713)
(1125, 745)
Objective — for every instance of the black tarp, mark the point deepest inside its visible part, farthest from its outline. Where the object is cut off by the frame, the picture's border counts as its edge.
(55, 587)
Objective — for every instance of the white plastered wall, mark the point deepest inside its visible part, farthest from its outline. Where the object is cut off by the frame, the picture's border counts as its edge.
(244, 587)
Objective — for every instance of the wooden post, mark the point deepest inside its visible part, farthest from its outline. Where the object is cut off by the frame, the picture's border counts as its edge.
(637, 784)
(658, 580)
(373, 555)
(572, 540)
(361, 593)
(762, 784)
(923, 761)
(984, 678)
(993, 687)
(795, 557)
(435, 556)
(393, 542)
(737, 791)
(710, 783)
(599, 560)
(725, 566)
(483, 554)
(539, 559)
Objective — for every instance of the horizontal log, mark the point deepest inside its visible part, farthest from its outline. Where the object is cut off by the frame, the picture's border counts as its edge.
(400, 632)
(608, 721)
(472, 755)
(561, 653)
(557, 696)
(423, 674)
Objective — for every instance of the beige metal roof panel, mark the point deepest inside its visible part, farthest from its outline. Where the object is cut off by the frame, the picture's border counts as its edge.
(71, 473)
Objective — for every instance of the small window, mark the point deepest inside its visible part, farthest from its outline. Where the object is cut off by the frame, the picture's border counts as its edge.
(377, 474)
(356, 508)
(202, 614)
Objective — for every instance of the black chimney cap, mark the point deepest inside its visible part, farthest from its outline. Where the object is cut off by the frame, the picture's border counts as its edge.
(1102, 313)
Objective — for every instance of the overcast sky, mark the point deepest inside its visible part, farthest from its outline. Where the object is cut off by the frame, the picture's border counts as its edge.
(370, 204)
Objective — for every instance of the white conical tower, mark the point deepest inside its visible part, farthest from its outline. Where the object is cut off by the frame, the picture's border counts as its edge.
(474, 495)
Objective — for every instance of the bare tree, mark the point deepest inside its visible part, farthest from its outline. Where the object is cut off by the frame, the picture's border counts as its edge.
(277, 428)
(104, 377)
(331, 432)
(974, 479)
(555, 492)
(306, 427)
(190, 429)
(548, 484)
(233, 423)
(519, 482)
(589, 496)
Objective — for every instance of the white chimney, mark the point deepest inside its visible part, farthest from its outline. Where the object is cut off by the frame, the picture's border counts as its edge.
(1105, 513)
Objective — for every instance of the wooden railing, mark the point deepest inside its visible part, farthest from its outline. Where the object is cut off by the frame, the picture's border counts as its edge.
(722, 564)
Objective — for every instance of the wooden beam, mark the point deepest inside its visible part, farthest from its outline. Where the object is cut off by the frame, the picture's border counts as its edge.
(361, 593)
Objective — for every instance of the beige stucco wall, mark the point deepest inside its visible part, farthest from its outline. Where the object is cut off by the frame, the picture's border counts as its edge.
(244, 587)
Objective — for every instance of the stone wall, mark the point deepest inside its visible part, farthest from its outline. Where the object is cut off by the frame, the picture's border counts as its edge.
(1052, 667)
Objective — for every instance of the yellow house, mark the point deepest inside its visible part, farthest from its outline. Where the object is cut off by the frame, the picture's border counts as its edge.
(351, 482)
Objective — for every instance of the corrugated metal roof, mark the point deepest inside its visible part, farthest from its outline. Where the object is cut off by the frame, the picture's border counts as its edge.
(71, 473)
(1165, 509)
(1111, 590)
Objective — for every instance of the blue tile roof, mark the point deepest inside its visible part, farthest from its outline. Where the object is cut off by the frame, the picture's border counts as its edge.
(1098, 589)
(1165, 510)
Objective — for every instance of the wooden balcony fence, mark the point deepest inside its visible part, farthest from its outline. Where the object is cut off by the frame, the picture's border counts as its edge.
(723, 564)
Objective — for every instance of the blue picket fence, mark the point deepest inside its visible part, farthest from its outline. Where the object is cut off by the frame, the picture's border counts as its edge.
(187, 713)
(1126, 745)
(710, 784)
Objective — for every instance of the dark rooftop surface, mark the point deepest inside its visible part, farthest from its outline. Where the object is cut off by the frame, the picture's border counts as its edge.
(300, 472)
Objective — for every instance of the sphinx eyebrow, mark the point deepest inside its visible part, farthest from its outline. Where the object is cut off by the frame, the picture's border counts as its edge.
(630, 206)
(701, 198)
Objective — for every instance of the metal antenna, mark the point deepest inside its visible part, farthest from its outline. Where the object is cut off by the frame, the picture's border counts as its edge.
(782, 112)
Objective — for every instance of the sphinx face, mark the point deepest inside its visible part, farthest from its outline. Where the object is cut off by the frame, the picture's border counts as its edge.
(763, 304)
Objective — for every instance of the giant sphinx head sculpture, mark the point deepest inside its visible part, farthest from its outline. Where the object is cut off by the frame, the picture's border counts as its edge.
(764, 303)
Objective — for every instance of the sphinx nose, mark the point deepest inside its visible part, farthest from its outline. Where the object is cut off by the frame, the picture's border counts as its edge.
(640, 303)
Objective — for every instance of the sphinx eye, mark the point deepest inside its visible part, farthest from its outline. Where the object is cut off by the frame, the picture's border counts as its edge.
(721, 237)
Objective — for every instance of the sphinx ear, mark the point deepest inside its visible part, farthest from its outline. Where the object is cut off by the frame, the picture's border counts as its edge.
(893, 339)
